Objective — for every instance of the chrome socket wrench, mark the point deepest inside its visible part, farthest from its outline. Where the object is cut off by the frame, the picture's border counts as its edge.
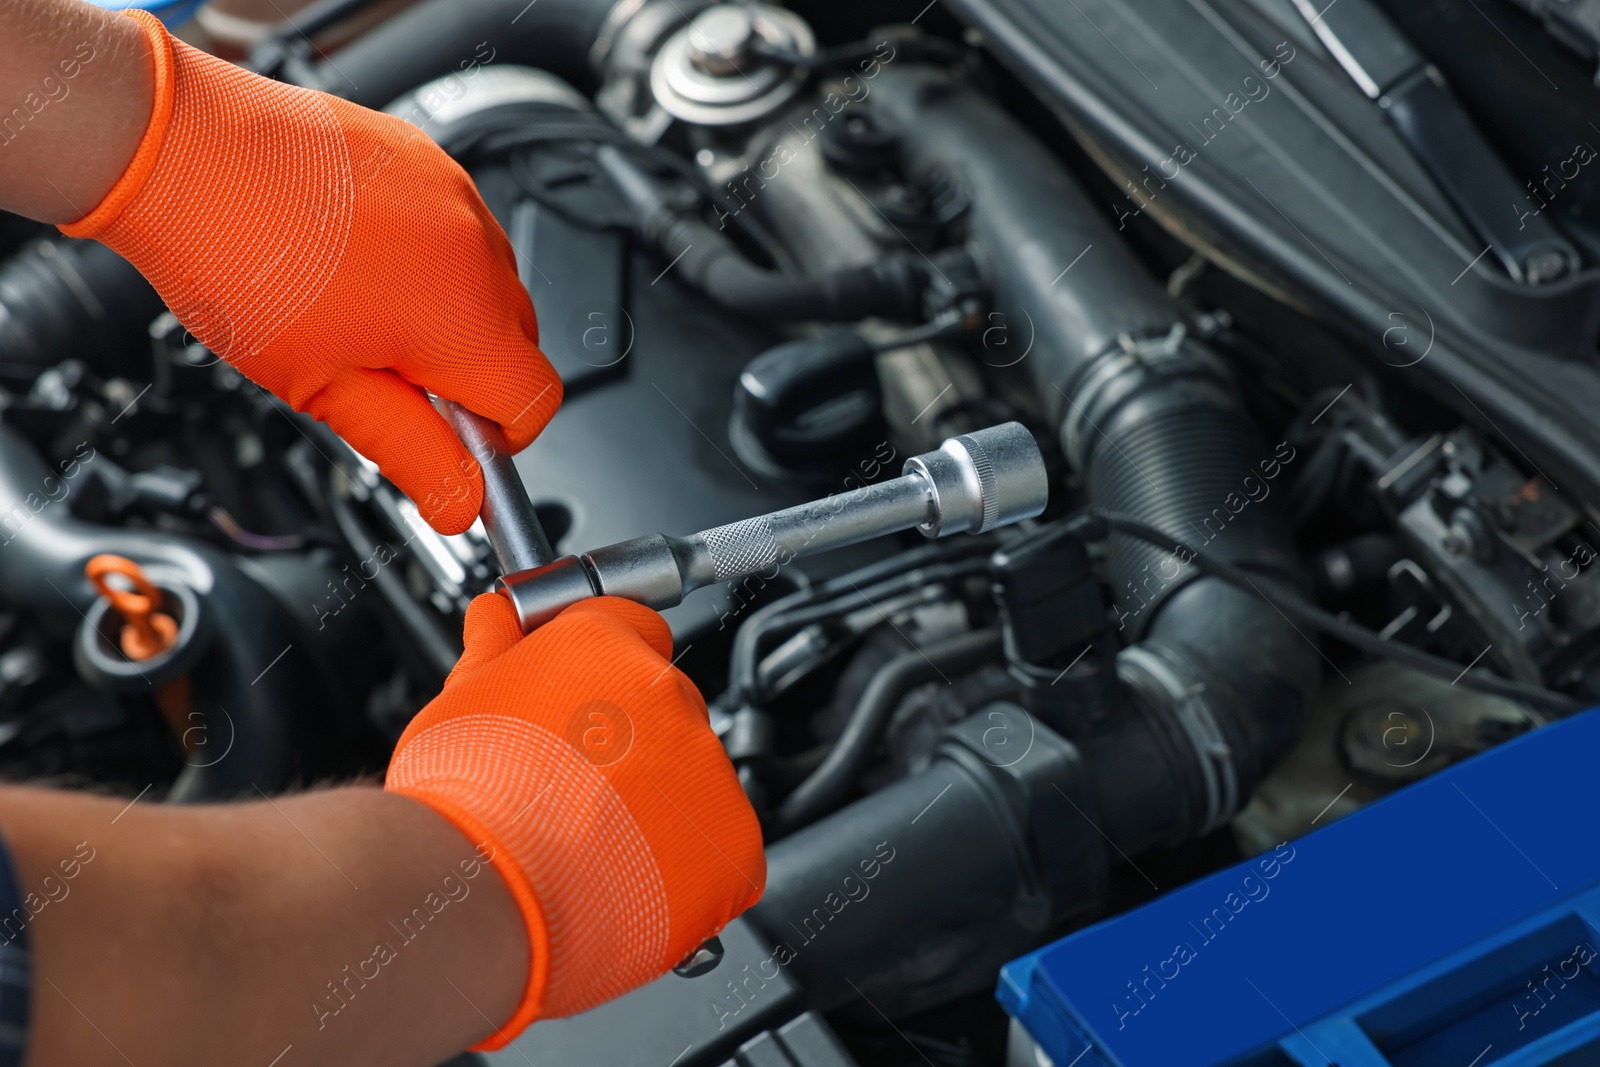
(971, 484)
(520, 546)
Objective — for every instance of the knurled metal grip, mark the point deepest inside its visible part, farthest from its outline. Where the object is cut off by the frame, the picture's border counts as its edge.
(741, 548)
(971, 484)
(988, 483)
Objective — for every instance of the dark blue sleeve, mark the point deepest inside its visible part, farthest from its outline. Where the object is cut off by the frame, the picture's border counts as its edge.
(16, 968)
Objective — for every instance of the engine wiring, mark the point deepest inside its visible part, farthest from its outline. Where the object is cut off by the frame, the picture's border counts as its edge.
(1351, 633)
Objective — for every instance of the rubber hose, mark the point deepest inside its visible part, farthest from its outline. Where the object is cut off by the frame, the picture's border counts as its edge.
(1216, 681)
(62, 296)
(706, 259)
(1030, 221)
(439, 37)
(889, 287)
(796, 609)
(832, 781)
(1184, 468)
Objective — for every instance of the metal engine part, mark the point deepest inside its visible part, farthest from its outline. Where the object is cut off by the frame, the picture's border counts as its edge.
(721, 70)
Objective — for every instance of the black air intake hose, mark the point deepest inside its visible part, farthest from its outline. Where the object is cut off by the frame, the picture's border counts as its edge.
(1000, 852)
(61, 298)
(1153, 424)
(439, 37)
(920, 891)
(1033, 221)
(43, 549)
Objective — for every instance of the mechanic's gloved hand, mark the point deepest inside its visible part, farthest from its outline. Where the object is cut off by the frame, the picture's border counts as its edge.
(586, 763)
(337, 257)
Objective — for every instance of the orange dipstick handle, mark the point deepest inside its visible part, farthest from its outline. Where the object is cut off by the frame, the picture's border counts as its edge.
(146, 632)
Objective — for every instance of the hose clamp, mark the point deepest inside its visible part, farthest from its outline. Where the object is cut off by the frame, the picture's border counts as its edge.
(1154, 348)
(1193, 714)
(1142, 356)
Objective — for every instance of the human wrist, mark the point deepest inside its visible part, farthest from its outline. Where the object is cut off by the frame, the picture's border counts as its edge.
(347, 869)
(460, 813)
(131, 179)
(79, 86)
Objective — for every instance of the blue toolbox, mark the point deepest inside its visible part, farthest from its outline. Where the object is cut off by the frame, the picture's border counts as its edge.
(1455, 923)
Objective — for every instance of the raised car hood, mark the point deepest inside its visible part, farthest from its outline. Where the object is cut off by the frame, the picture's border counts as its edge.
(1297, 182)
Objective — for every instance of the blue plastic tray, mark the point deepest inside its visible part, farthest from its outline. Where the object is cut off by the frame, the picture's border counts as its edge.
(1454, 923)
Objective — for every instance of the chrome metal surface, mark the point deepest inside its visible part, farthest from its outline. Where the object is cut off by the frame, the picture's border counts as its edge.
(646, 569)
(991, 477)
(508, 518)
(971, 484)
(702, 960)
(541, 593)
(706, 73)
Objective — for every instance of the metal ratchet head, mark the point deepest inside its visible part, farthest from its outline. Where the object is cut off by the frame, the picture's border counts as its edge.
(508, 517)
(971, 484)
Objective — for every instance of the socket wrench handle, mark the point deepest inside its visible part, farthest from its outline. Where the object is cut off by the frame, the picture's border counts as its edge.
(971, 484)
(520, 545)
(514, 530)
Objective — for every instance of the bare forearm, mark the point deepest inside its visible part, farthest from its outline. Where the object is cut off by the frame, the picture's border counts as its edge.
(354, 925)
(75, 98)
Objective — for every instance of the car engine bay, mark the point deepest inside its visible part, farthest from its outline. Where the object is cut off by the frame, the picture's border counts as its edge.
(1324, 487)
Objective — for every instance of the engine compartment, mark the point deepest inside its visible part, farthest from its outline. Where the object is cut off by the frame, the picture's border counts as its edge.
(1302, 547)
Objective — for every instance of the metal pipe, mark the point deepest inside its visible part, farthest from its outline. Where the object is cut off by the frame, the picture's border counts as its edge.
(508, 517)
(435, 38)
(971, 484)
(724, 553)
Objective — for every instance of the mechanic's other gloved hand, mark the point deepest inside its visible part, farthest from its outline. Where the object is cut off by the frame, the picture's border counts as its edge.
(585, 764)
(337, 257)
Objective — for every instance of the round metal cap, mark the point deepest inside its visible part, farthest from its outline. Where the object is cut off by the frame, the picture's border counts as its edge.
(709, 74)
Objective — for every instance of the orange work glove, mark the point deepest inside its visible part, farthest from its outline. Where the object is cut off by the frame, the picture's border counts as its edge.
(337, 257)
(584, 764)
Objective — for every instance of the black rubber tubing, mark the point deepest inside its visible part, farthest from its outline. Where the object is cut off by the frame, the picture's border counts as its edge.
(831, 782)
(439, 37)
(1354, 634)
